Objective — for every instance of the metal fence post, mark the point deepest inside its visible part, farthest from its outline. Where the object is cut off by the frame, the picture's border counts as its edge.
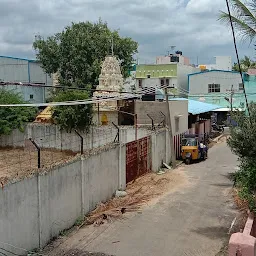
(38, 153)
(164, 121)
(38, 191)
(82, 141)
(152, 122)
(118, 133)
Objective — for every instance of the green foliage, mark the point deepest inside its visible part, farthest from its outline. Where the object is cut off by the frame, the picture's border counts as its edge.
(243, 137)
(79, 221)
(243, 18)
(77, 117)
(13, 117)
(78, 51)
(245, 64)
(242, 143)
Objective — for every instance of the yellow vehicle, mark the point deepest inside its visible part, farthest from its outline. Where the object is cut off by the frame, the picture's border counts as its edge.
(192, 149)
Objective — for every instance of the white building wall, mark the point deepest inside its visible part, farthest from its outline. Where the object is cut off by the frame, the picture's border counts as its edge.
(21, 70)
(13, 70)
(25, 71)
(224, 63)
(167, 59)
(130, 82)
(163, 60)
(182, 73)
(221, 63)
(32, 94)
(198, 83)
(37, 74)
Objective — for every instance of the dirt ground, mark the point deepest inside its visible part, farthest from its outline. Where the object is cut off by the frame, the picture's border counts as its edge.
(84, 253)
(20, 163)
(144, 192)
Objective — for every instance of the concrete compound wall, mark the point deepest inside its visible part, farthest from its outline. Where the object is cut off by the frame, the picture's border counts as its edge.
(36, 209)
(160, 149)
(49, 136)
(178, 108)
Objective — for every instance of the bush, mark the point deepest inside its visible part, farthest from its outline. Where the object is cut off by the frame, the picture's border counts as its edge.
(242, 143)
(77, 117)
(14, 117)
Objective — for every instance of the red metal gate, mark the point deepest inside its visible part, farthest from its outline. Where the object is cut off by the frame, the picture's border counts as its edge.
(138, 158)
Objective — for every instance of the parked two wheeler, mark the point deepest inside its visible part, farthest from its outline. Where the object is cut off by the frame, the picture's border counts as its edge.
(217, 127)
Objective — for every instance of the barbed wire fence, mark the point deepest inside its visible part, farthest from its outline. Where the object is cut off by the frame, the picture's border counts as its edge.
(44, 146)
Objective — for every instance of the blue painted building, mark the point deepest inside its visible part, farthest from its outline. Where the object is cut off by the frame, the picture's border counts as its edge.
(20, 70)
(215, 87)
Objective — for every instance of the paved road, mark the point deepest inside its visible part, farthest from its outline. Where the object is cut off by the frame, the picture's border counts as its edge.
(194, 220)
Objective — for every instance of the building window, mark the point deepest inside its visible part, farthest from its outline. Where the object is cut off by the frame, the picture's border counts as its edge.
(140, 83)
(162, 82)
(31, 96)
(213, 88)
(241, 87)
(148, 76)
(167, 82)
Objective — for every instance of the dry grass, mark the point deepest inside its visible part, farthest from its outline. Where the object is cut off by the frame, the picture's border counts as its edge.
(20, 163)
(139, 193)
(241, 204)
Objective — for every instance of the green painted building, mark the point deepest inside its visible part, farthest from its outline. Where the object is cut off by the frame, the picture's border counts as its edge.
(174, 75)
(156, 71)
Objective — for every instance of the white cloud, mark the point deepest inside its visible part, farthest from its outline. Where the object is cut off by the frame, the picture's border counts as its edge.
(190, 25)
(205, 7)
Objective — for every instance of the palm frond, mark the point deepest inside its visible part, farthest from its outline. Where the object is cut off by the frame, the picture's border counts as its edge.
(252, 5)
(242, 12)
(242, 28)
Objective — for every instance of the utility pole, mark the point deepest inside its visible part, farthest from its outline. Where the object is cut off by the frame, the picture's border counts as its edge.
(169, 125)
(231, 98)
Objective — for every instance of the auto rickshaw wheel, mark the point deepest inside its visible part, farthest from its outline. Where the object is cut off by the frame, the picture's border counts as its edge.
(188, 161)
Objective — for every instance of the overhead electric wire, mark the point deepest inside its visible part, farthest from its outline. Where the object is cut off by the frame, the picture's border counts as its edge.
(238, 61)
(83, 102)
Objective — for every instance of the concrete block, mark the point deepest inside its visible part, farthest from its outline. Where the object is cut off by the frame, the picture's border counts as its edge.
(242, 244)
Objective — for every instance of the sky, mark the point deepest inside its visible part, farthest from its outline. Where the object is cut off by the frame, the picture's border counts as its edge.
(190, 25)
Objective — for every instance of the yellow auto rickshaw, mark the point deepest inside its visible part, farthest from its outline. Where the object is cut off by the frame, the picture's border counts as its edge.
(192, 149)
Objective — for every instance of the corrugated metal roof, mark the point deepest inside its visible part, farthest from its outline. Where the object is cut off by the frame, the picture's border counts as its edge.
(17, 58)
(198, 107)
(213, 70)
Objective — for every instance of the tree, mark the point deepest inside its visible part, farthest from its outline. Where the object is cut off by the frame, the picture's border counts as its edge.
(13, 117)
(243, 18)
(78, 51)
(242, 143)
(243, 136)
(73, 117)
(245, 64)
